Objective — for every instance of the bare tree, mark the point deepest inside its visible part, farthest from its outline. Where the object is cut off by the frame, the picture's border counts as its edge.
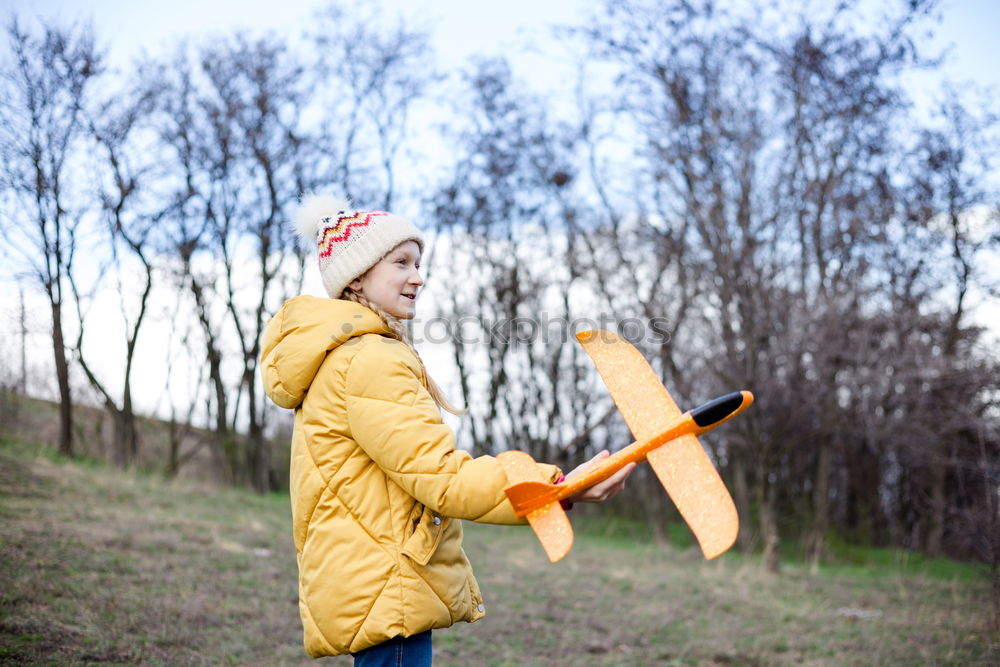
(950, 200)
(503, 224)
(238, 118)
(255, 100)
(46, 87)
(116, 130)
(188, 143)
(181, 423)
(772, 175)
(367, 76)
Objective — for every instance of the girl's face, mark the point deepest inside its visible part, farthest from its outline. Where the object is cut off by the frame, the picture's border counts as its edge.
(392, 283)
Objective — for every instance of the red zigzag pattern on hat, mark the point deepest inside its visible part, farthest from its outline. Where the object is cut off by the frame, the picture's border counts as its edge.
(342, 230)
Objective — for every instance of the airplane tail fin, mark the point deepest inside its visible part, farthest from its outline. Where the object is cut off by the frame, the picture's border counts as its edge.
(529, 496)
(528, 488)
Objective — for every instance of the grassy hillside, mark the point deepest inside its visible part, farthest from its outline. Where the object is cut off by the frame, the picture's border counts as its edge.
(37, 420)
(99, 567)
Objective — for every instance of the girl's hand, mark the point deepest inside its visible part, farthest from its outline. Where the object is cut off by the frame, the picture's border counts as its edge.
(601, 491)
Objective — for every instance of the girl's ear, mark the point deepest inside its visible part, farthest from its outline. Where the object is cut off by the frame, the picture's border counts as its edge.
(355, 284)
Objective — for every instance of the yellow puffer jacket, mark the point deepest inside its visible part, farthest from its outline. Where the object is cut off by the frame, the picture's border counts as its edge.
(376, 481)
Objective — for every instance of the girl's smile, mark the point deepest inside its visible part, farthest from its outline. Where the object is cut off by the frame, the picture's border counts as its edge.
(393, 282)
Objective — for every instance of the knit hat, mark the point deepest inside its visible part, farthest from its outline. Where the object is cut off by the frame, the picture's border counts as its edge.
(349, 241)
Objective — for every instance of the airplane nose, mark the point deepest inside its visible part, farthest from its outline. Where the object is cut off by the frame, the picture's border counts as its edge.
(719, 408)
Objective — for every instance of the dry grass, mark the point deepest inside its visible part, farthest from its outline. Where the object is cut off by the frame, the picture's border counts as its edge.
(609, 605)
(104, 568)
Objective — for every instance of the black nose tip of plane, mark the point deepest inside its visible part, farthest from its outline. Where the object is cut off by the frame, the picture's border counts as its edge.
(719, 408)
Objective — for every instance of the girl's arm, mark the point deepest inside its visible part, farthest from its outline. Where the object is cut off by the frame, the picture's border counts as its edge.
(394, 419)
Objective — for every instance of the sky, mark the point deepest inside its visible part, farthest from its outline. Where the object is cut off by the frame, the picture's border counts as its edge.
(460, 27)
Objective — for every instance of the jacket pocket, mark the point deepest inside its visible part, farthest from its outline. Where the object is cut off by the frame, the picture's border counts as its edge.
(476, 609)
(420, 546)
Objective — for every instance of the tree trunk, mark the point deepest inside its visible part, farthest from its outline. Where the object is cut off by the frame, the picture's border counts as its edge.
(821, 506)
(651, 498)
(772, 558)
(119, 451)
(173, 449)
(741, 491)
(260, 460)
(938, 506)
(130, 433)
(23, 321)
(260, 455)
(768, 522)
(62, 374)
(126, 438)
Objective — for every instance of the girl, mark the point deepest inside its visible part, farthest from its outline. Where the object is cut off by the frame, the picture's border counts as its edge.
(377, 484)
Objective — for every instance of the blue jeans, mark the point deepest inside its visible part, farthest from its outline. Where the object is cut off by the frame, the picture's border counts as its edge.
(412, 651)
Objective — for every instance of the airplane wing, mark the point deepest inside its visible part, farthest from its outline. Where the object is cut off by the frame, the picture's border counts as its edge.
(681, 465)
(550, 523)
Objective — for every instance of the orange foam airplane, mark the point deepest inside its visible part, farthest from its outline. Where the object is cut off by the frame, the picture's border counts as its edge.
(664, 437)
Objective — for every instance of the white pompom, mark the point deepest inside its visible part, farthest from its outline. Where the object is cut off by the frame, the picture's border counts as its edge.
(313, 209)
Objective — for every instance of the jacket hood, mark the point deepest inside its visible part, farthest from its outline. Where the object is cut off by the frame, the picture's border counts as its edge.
(298, 338)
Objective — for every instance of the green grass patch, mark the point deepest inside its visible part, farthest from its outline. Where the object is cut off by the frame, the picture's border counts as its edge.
(862, 561)
(627, 532)
(840, 558)
(21, 449)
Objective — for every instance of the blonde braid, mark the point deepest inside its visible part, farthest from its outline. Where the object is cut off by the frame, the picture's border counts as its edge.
(398, 331)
